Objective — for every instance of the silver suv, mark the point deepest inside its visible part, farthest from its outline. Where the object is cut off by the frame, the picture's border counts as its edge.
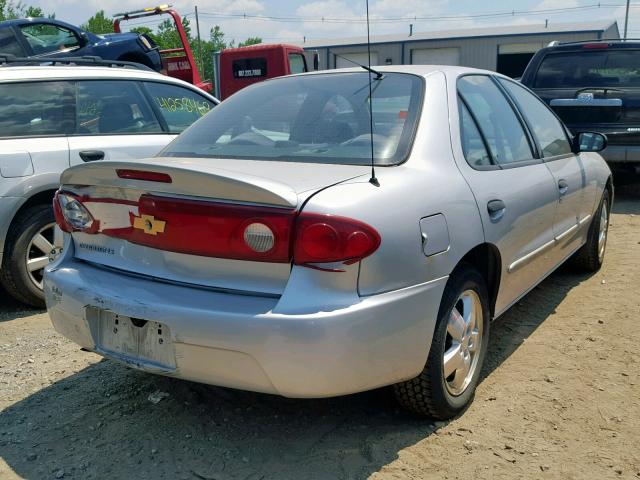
(52, 117)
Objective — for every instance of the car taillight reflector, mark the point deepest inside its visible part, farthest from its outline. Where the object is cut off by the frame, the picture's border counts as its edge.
(144, 175)
(330, 239)
(213, 229)
(71, 215)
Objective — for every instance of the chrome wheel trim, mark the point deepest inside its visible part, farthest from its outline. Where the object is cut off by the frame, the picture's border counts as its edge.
(463, 342)
(604, 227)
(39, 253)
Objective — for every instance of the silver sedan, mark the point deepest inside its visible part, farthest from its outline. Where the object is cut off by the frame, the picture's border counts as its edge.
(260, 250)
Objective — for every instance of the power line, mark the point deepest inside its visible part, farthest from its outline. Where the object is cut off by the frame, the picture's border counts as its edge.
(495, 14)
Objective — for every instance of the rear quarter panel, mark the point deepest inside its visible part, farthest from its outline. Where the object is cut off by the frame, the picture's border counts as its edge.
(428, 183)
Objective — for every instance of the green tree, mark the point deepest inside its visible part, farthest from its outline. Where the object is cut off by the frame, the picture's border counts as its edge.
(250, 41)
(98, 24)
(10, 10)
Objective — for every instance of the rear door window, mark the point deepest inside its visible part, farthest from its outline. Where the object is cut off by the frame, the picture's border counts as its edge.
(179, 107)
(46, 38)
(9, 43)
(250, 67)
(589, 68)
(36, 109)
(498, 122)
(547, 129)
(113, 107)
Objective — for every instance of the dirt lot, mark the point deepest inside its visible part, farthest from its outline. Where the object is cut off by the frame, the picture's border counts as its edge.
(560, 399)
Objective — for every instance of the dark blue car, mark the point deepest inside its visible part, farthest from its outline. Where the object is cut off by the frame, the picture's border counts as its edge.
(42, 38)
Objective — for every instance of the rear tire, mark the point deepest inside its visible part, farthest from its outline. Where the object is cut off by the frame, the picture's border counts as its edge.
(590, 256)
(433, 393)
(15, 276)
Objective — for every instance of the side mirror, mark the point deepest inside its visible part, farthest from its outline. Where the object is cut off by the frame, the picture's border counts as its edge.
(84, 39)
(589, 142)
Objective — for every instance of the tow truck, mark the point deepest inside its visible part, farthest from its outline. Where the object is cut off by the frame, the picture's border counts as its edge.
(176, 62)
(234, 68)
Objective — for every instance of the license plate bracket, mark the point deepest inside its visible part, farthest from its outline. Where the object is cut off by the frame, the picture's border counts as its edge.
(133, 340)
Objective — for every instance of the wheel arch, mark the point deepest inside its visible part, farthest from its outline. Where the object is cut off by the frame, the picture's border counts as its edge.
(41, 198)
(486, 258)
(609, 187)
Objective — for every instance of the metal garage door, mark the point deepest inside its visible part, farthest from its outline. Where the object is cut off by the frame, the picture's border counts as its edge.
(435, 56)
(361, 58)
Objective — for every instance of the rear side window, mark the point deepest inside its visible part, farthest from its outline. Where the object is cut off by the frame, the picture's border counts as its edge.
(547, 129)
(472, 144)
(178, 106)
(496, 119)
(113, 107)
(36, 109)
(589, 68)
(296, 63)
(44, 38)
(9, 43)
(250, 67)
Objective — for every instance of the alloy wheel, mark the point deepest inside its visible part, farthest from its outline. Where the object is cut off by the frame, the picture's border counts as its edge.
(39, 253)
(463, 342)
(604, 227)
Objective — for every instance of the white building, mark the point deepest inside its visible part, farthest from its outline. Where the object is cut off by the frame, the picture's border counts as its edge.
(503, 49)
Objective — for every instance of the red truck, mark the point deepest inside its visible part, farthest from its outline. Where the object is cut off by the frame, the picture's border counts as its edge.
(234, 68)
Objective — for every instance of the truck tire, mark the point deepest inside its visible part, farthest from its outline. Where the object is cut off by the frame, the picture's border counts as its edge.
(28, 239)
(459, 340)
(590, 256)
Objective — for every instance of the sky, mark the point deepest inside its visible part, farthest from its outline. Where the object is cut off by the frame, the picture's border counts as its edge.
(305, 16)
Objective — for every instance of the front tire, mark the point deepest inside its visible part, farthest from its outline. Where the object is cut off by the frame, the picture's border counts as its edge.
(591, 255)
(449, 379)
(29, 247)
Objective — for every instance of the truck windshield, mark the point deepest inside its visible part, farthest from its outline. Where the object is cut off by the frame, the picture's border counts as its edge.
(595, 68)
(310, 118)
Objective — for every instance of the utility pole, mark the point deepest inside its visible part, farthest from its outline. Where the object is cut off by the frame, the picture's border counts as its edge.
(199, 44)
(626, 20)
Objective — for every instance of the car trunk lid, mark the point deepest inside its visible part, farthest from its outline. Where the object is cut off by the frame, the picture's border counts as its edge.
(178, 219)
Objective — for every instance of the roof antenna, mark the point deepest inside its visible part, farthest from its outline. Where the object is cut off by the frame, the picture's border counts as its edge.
(373, 180)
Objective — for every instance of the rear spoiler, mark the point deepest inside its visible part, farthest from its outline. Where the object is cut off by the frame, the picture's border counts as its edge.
(191, 177)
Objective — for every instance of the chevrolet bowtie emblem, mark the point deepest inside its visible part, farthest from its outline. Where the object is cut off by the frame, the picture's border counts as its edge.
(148, 224)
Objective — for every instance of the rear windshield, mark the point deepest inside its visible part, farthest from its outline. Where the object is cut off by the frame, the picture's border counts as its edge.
(311, 118)
(595, 68)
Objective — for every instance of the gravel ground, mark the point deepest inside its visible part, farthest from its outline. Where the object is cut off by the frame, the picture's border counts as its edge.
(560, 398)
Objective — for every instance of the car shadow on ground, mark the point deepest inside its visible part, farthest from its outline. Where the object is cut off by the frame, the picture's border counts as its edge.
(100, 423)
(627, 199)
(11, 309)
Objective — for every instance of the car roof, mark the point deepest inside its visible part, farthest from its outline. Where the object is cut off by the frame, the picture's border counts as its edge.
(421, 70)
(580, 46)
(28, 20)
(9, 73)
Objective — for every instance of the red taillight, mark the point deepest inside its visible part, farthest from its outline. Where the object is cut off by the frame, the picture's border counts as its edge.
(223, 230)
(71, 215)
(331, 239)
(144, 175)
(595, 46)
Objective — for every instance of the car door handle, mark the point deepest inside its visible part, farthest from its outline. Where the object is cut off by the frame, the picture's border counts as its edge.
(496, 209)
(563, 187)
(91, 155)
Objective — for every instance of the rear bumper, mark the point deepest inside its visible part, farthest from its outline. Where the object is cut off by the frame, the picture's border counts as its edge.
(242, 342)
